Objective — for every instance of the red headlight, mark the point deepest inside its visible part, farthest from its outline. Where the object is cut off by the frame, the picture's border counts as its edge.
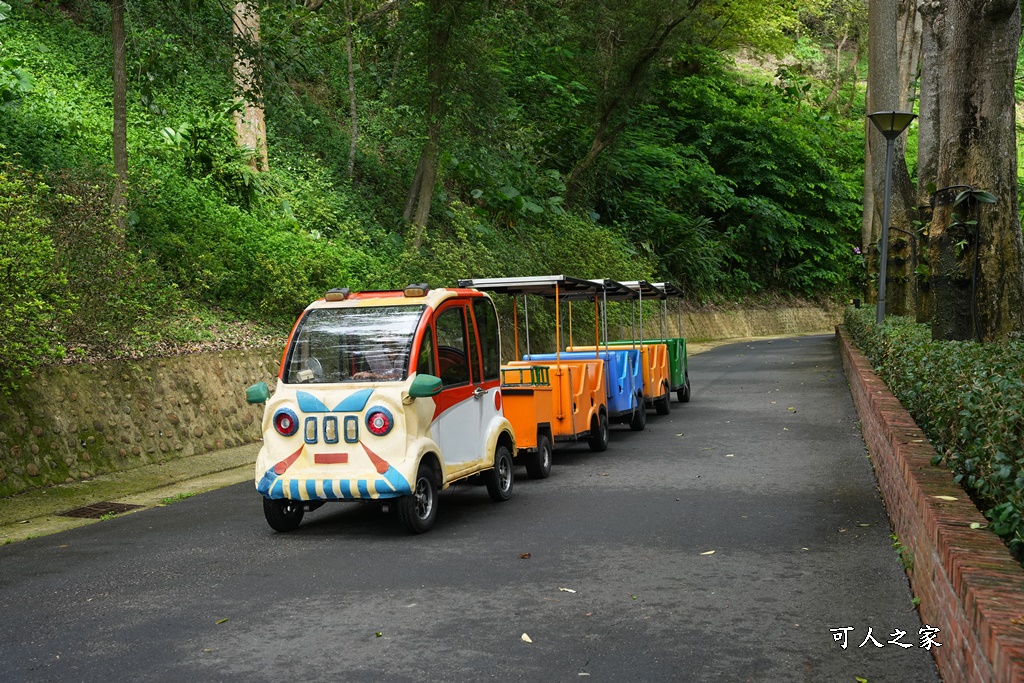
(379, 421)
(286, 422)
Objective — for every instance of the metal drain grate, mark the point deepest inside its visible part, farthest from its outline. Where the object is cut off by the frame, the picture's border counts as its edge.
(97, 510)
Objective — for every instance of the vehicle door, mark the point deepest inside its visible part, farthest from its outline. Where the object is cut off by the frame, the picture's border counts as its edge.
(458, 417)
(488, 379)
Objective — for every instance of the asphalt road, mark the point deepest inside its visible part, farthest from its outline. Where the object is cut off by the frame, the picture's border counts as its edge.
(765, 467)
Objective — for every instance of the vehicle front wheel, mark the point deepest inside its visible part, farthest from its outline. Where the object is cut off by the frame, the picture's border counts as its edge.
(500, 479)
(538, 465)
(283, 514)
(598, 433)
(683, 394)
(639, 420)
(418, 511)
(664, 404)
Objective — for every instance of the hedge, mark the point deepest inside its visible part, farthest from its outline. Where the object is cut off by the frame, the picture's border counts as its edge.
(969, 400)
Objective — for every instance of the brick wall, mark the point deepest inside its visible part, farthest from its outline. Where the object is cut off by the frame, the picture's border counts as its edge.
(968, 584)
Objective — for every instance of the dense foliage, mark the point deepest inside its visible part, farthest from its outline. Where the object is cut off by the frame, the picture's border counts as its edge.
(556, 148)
(969, 400)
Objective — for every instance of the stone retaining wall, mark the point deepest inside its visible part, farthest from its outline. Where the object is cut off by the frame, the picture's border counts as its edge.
(74, 422)
(968, 584)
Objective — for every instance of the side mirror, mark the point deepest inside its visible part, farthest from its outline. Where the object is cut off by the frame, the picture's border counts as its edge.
(424, 386)
(257, 393)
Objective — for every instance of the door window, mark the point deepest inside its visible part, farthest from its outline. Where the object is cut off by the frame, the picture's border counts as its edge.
(452, 360)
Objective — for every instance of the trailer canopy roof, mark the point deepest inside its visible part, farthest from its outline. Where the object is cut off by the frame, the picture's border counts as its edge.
(568, 288)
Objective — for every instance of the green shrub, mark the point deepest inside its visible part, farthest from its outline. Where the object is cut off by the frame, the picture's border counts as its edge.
(30, 283)
(969, 400)
(118, 296)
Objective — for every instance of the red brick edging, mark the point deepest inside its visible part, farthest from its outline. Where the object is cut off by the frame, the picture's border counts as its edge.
(969, 586)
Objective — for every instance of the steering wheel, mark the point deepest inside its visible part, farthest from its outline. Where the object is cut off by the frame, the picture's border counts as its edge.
(318, 370)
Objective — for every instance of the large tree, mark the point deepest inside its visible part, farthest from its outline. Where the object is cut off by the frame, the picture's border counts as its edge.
(975, 248)
(888, 89)
(120, 101)
(250, 125)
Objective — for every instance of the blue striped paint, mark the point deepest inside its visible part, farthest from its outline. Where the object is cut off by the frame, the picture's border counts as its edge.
(329, 489)
(398, 483)
(311, 489)
(293, 490)
(364, 489)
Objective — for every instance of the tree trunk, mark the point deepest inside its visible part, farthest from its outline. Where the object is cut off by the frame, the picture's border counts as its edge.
(120, 137)
(978, 271)
(884, 87)
(932, 27)
(250, 127)
(903, 232)
(421, 193)
(353, 113)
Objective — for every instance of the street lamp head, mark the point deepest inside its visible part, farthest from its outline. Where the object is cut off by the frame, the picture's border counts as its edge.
(891, 124)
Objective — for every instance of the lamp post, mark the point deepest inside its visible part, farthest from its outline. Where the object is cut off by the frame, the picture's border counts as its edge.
(891, 125)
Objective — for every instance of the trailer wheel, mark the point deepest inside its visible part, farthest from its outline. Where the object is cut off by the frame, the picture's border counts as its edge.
(639, 420)
(598, 439)
(418, 511)
(683, 394)
(500, 479)
(538, 465)
(283, 514)
(664, 404)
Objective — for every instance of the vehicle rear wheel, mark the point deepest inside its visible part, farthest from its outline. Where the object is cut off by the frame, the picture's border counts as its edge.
(418, 511)
(683, 394)
(500, 479)
(538, 465)
(598, 439)
(639, 419)
(664, 404)
(283, 514)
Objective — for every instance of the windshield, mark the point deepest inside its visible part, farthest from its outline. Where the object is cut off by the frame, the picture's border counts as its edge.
(368, 344)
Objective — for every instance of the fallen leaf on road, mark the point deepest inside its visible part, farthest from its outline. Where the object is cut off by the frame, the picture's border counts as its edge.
(582, 673)
(678, 434)
(221, 621)
(589, 614)
(208, 649)
(863, 524)
(785, 429)
(710, 552)
(949, 498)
(378, 633)
(524, 556)
(603, 474)
(978, 525)
(804, 548)
(730, 455)
(791, 408)
(566, 590)
(526, 639)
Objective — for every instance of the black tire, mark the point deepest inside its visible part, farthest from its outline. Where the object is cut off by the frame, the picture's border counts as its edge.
(639, 420)
(501, 479)
(683, 394)
(598, 438)
(664, 404)
(418, 511)
(538, 465)
(283, 514)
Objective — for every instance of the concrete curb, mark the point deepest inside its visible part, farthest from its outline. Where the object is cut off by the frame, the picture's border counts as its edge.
(969, 585)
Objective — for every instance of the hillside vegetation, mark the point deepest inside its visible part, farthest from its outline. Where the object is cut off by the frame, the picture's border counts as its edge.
(729, 183)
